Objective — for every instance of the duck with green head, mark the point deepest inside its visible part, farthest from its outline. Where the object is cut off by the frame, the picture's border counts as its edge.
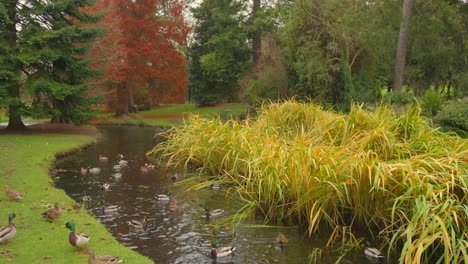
(163, 197)
(77, 240)
(8, 231)
(218, 252)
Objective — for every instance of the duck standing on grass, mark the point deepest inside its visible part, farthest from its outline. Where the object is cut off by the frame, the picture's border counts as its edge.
(53, 213)
(8, 231)
(102, 259)
(77, 240)
(15, 196)
(218, 252)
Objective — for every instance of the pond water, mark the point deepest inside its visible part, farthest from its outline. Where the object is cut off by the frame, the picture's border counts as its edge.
(173, 237)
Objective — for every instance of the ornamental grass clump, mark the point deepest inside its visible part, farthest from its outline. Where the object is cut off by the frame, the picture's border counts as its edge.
(391, 176)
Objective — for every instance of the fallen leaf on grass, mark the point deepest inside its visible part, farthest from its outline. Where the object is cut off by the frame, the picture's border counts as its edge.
(46, 257)
(103, 238)
(5, 251)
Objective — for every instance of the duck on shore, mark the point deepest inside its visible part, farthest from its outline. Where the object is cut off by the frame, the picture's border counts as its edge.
(12, 195)
(102, 259)
(53, 213)
(77, 240)
(8, 231)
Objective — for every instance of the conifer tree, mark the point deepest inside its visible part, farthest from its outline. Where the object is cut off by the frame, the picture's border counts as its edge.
(43, 43)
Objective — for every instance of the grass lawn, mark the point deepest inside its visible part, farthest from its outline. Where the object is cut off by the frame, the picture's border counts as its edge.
(167, 116)
(24, 165)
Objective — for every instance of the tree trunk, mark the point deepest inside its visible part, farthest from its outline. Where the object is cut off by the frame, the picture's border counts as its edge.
(14, 108)
(402, 45)
(122, 99)
(257, 40)
(131, 101)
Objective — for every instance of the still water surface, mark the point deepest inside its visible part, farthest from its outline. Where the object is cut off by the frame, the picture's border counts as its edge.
(173, 237)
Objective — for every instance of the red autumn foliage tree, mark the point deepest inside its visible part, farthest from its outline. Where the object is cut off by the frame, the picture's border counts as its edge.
(140, 51)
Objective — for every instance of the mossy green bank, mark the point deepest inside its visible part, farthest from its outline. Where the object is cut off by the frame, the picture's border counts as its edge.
(24, 165)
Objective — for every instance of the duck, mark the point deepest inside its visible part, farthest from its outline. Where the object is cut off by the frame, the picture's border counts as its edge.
(163, 197)
(173, 206)
(372, 252)
(123, 163)
(77, 240)
(120, 156)
(53, 213)
(15, 196)
(281, 240)
(102, 259)
(83, 171)
(218, 252)
(8, 231)
(117, 175)
(105, 186)
(109, 209)
(213, 213)
(103, 158)
(144, 169)
(95, 170)
(86, 198)
(117, 167)
(138, 224)
(149, 166)
(215, 187)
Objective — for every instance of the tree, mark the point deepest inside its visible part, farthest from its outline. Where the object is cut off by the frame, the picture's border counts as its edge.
(45, 42)
(402, 45)
(219, 54)
(142, 49)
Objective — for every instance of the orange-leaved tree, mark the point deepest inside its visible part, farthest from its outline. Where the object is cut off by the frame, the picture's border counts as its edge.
(140, 51)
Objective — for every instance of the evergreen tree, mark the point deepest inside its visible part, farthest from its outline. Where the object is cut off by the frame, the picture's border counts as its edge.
(220, 55)
(46, 42)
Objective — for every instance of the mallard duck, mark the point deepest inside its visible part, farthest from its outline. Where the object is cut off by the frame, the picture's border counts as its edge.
(215, 187)
(163, 197)
(213, 213)
(120, 156)
(83, 171)
(117, 175)
(77, 240)
(149, 166)
(281, 240)
(103, 158)
(138, 224)
(86, 198)
(144, 169)
(105, 186)
(123, 163)
(372, 252)
(173, 206)
(8, 231)
(109, 209)
(218, 252)
(117, 167)
(102, 259)
(15, 196)
(53, 213)
(95, 170)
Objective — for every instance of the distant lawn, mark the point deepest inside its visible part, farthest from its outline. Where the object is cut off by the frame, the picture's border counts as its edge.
(170, 115)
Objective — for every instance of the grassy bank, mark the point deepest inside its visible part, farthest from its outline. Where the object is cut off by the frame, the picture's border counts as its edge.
(168, 116)
(373, 176)
(24, 164)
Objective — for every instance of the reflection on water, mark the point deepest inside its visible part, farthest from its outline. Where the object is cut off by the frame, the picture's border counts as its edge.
(171, 237)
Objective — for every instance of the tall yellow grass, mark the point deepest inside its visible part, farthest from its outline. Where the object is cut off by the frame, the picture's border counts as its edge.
(390, 175)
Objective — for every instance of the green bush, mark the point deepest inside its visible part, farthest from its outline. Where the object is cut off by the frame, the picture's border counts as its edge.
(431, 102)
(454, 116)
(399, 98)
